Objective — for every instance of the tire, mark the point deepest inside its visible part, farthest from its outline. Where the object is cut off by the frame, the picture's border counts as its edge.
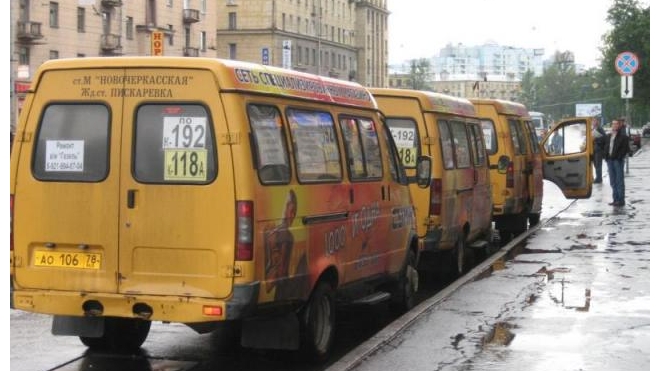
(119, 335)
(403, 299)
(458, 257)
(317, 323)
(534, 219)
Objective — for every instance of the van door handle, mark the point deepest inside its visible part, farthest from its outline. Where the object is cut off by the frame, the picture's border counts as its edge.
(131, 198)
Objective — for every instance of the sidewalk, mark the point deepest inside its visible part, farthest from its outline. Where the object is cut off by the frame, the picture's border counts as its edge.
(575, 297)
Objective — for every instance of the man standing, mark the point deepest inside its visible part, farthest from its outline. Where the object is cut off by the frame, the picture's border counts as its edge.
(600, 143)
(618, 148)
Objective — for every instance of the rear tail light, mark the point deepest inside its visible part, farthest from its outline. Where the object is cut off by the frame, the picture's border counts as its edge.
(11, 222)
(244, 229)
(436, 197)
(509, 175)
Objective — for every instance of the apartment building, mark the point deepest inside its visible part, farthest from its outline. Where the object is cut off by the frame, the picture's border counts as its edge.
(346, 39)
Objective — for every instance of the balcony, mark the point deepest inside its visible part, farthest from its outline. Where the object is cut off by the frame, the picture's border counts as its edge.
(111, 3)
(110, 42)
(190, 52)
(28, 31)
(190, 15)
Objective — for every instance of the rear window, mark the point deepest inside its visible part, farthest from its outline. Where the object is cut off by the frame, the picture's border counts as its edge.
(174, 144)
(446, 144)
(459, 133)
(72, 143)
(490, 136)
(405, 135)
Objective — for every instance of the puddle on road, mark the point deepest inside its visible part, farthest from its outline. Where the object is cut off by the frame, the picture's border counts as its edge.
(500, 334)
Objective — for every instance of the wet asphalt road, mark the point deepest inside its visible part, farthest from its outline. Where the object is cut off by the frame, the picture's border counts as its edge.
(558, 301)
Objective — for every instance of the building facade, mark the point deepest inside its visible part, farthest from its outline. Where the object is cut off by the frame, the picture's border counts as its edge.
(345, 39)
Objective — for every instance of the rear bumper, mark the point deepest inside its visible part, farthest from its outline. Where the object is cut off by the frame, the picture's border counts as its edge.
(181, 309)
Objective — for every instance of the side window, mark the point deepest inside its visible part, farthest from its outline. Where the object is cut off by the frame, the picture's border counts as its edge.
(477, 141)
(568, 139)
(515, 137)
(315, 145)
(533, 138)
(72, 143)
(362, 149)
(406, 137)
(459, 132)
(174, 144)
(522, 139)
(490, 136)
(446, 144)
(270, 144)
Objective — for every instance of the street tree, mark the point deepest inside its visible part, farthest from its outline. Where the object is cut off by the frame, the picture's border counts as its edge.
(631, 32)
(420, 74)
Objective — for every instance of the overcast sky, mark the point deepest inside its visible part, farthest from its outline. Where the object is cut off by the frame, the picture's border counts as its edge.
(420, 28)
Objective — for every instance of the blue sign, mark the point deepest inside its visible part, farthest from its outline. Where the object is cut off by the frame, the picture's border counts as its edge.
(265, 57)
(626, 63)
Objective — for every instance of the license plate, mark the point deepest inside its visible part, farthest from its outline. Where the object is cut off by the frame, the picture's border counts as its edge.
(82, 260)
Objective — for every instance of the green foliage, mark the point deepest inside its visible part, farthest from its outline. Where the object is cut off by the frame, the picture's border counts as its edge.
(560, 87)
(420, 74)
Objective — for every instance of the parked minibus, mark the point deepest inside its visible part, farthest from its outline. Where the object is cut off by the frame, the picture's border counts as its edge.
(518, 165)
(455, 211)
(205, 191)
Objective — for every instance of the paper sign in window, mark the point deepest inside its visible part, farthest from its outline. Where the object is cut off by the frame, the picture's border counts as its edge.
(65, 155)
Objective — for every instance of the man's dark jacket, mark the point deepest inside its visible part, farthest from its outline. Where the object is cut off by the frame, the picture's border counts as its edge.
(621, 147)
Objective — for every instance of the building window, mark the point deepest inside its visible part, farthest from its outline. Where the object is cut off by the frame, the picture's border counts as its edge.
(53, 54)
(81, 19)
(170, 35)
(129, 28)
(54, 14)
(300, 56)
(232, 20)
(80, 55)
(150, 16)
(186, 36)
(283, 21)
(203, 6)
(202, 41)
(24, 56)
(232, 51)
(169, 3)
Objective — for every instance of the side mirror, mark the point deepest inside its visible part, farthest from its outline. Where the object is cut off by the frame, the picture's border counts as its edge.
(423, 169)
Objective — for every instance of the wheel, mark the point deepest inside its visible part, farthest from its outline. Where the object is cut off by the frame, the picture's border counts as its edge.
(317, 323)
(458, 256)
(534, 219)
(404, 296)
(120, 334)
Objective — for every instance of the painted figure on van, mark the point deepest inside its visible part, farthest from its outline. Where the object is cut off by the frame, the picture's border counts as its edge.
(600, 139)
(279, 245)
(618, 147)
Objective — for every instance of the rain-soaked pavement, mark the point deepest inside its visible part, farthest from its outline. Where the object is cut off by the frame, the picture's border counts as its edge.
(574, 296)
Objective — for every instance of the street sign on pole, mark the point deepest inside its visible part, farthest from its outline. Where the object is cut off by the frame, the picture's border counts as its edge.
(626, 63)
(626, 87)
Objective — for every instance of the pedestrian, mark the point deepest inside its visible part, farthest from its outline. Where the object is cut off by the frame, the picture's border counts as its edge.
(618, 147)
(600, 143)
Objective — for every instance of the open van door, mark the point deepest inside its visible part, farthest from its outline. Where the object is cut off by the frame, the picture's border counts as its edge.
(567, 149)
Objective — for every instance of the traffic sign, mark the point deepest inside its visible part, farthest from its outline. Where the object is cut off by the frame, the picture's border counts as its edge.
(626, 63)
(626, 87)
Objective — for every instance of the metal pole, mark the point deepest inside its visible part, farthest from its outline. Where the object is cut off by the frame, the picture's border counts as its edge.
(318, 39)
(627, 126)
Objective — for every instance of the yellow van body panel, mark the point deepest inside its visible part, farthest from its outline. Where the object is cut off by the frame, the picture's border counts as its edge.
(466, 204)
(159, 226)
(506, 200)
